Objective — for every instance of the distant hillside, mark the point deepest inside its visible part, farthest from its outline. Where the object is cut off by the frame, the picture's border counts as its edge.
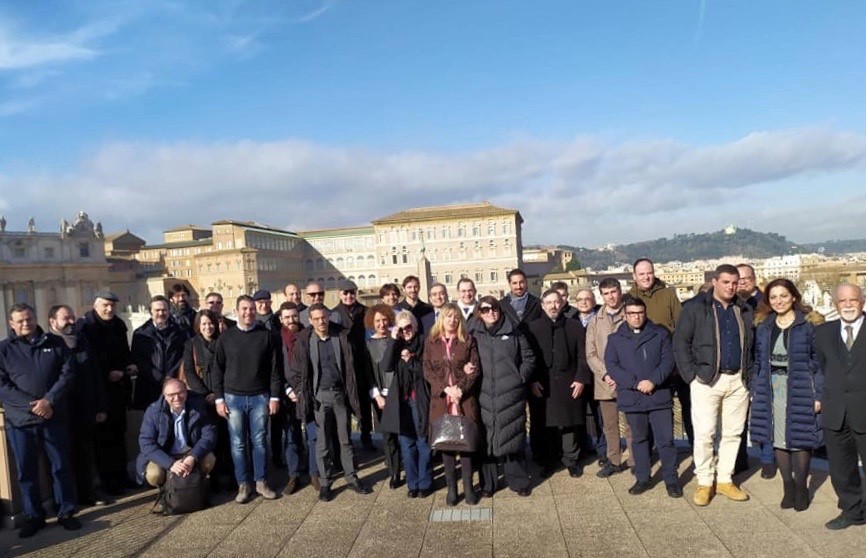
(686, 247)
(837, 246)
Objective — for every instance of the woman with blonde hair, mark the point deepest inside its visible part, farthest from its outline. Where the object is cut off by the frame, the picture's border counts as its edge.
(451, 368)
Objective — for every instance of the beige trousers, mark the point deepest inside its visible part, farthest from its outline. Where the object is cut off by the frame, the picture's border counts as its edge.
(611, 422)
(155, 475)
(725, 401)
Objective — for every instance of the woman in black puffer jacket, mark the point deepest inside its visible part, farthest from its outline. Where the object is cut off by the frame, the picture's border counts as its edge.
(507, 363)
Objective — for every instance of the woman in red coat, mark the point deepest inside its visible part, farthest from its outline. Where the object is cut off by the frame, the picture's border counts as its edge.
(451, 369)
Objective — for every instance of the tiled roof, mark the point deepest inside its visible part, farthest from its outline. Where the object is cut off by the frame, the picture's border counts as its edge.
(466, 211)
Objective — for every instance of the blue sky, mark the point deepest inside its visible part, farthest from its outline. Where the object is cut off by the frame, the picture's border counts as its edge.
(601, 121)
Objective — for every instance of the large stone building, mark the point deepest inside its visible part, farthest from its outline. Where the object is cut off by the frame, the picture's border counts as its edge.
(480, 241)
(47, 268)
(347, 253)
(232, 257)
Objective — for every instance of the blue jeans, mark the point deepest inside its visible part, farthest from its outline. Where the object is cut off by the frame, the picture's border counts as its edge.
(25, 441)
(416, 455)
(311, 431)
(599, 441)
(248, 426)
(294, 447)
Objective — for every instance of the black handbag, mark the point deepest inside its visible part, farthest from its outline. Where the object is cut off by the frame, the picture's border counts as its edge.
(454, 433)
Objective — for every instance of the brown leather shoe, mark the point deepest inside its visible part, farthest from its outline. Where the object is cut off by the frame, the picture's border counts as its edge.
(703, 495)
(314, 481)
(731, 491)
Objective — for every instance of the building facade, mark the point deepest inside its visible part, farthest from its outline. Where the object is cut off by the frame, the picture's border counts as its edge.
(479, 241)
(47, 268)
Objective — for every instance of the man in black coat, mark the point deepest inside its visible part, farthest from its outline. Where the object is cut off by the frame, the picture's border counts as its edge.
(561, 378)
(157, 351)
(324, 378)
(181, 312)
(350, 314)
(106, 337)
(841, 349)
(88, 401)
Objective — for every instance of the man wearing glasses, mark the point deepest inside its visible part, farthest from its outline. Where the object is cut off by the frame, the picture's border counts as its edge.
(214, 302)
(350, 314)
(639, 359)
(177, 435)
(747, 287)
(315, 294)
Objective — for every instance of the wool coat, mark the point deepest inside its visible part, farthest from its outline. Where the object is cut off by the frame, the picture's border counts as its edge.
(507, 364)
(437, 366)
(805, 384)
(561, 410)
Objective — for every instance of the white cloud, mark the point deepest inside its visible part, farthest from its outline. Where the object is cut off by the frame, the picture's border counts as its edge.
(19, 52)
(10, 108)
(585, 192)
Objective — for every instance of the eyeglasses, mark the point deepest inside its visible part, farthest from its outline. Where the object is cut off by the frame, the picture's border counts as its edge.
(174, 395)
(314, 295)
(641, 313)
(350, 292)
(487, 309)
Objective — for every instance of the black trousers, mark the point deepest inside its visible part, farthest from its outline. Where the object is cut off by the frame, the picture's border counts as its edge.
(393, 457)
(564, 443)
(515, 469)
(843, 448)
(538, 430)
(110, 438)
(684, 394)
(83, 459)
(662, 424)
(366, 404)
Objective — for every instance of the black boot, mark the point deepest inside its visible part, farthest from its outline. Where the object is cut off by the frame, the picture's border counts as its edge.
(451, 482)
(801, 496)
(468, 491)
(787, 495)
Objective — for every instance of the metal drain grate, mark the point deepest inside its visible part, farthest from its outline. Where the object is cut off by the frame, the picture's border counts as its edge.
(449, 514)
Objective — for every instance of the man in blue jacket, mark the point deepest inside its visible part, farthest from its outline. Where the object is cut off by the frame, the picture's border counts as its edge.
(639, 359)
(176, 435)
(36, 374)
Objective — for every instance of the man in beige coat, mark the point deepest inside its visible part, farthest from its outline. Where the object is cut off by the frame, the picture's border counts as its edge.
(600, 326)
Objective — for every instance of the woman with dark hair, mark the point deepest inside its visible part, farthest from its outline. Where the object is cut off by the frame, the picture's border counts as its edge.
(786, 387)
(390, 294)
(507, 362)
(408, 405)
(451, 367)
(198, 357)
(381, 364)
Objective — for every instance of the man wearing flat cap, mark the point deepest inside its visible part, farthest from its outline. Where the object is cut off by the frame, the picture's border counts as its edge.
(106, 340)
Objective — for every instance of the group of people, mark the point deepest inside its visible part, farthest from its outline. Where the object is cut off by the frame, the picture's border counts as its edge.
(230, 397)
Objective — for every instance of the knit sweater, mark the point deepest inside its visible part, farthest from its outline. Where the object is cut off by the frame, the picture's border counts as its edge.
(246, 363)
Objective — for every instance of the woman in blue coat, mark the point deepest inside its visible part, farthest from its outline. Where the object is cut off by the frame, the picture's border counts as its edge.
(786, 387)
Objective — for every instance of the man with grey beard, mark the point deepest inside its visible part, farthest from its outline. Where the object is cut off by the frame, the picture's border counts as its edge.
(89, 405)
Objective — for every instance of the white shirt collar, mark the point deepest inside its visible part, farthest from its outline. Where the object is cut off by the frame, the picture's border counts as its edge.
(855, 326)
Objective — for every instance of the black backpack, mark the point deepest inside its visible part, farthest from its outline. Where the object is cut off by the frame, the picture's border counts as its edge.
(185, 494)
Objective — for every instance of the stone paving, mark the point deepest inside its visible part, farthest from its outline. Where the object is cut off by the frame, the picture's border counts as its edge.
(586, 516)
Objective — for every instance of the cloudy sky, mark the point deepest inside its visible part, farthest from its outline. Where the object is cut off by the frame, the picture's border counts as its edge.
(602, 122)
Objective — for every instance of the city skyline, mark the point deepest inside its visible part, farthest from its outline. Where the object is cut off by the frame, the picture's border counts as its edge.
(323, 114)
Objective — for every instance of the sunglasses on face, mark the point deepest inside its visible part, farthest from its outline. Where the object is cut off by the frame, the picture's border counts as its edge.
(349, 292)
(313, 295)
(487, 309)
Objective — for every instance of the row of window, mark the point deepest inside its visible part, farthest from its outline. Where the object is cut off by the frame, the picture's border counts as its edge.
(48, 252)
(461, 230)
